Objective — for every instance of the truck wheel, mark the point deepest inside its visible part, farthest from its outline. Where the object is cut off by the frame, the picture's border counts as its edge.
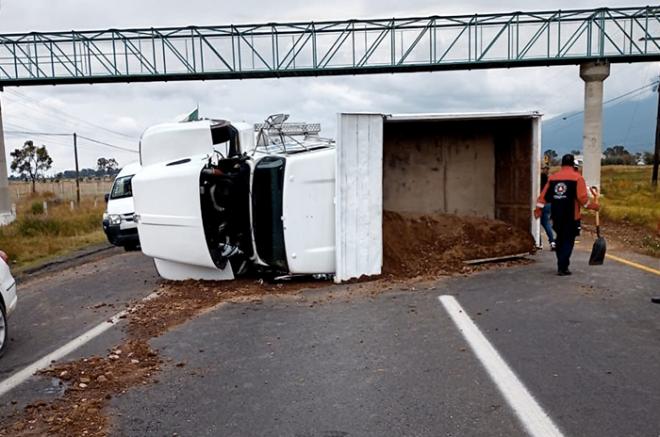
(131, 247)
(4, 332)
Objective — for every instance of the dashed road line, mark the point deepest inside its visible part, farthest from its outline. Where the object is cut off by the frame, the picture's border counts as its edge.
(532, 416)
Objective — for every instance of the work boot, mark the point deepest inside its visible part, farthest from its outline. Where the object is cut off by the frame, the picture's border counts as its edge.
(553, 246)
(564, 273)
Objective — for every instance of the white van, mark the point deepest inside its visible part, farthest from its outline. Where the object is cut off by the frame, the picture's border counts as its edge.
(118, 222)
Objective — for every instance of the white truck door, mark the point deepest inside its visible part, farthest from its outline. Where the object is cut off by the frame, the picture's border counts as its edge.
(359, 196)
(167, 203)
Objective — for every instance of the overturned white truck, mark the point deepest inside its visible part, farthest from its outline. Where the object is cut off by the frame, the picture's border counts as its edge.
(216, 199)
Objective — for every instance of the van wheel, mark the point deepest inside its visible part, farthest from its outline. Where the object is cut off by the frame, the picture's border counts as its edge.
(131, 247)
(4, 332)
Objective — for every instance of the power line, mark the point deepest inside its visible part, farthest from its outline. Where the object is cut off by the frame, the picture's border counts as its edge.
(48, 120)
(107, 144)
(65, 114)
(628, 93)
(42, 134)
(102, 143)
(558, 126)
(62, 114)
(52, 142)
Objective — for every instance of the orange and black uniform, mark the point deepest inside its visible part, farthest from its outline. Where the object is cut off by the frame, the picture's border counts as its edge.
(566, 190)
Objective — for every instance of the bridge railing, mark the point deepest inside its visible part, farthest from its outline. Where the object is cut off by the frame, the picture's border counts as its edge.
(331, 47)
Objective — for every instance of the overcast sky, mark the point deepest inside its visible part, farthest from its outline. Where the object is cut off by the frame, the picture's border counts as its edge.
(130, 108)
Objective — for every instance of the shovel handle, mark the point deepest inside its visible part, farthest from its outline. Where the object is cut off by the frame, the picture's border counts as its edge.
(596, 194)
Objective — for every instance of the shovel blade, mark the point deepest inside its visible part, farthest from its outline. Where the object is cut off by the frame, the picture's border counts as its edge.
(598, 252)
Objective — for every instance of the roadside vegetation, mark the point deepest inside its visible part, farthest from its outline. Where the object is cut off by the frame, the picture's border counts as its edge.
(40, 234)
(631, 202)
(629, 197)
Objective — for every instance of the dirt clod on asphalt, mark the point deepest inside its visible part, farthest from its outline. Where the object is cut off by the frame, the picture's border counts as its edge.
(177, 302)
(429, 245)
(91, 382)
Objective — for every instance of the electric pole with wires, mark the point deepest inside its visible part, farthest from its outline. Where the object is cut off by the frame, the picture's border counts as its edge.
(656, 154)
(75, 154)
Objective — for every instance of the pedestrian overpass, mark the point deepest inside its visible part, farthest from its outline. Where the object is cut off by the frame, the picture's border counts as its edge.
(592, 38)
(517, 39)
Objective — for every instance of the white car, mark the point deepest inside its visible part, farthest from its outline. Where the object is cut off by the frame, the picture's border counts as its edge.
(7, 299)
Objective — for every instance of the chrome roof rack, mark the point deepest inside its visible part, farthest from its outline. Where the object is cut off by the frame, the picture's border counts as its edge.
(276, 135)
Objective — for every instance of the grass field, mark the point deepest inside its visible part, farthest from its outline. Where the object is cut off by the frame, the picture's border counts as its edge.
(38, 235)
(65, 189)
(629, 197)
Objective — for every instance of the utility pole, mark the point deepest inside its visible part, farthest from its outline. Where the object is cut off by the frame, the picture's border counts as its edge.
(656, 154)
(75, 153)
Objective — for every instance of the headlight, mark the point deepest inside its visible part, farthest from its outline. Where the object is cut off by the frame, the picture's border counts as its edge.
(114, 219)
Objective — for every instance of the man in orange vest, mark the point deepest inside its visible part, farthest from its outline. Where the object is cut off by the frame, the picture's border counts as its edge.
(566, 191)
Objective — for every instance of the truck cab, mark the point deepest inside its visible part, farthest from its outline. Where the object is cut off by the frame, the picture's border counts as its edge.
(216, 199)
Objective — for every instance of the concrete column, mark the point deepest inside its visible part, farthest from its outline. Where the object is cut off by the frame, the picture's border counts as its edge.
(6, 215)
(593, 75)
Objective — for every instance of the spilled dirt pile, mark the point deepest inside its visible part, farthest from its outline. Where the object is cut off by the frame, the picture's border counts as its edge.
(91, 382)
(178, 302)
(427, 245)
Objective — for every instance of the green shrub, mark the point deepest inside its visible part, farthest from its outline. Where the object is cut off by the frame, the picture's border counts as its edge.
(37, 208)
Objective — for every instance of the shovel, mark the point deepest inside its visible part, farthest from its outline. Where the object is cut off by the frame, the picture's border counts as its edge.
(600, 246)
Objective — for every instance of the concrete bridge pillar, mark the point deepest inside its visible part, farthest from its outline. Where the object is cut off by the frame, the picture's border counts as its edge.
(6, 214)
(593, 74)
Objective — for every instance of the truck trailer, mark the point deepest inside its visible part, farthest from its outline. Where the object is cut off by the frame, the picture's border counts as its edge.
(217, 199)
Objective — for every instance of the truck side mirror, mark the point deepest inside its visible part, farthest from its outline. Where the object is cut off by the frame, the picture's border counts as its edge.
(106, 196)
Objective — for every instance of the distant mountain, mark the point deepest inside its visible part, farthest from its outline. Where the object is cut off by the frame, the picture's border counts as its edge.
(630, 123)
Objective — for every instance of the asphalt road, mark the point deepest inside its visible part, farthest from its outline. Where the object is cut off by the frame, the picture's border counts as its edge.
(586, 347)
(53, 309)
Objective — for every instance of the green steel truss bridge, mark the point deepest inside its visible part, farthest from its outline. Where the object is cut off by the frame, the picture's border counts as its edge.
(516, 39)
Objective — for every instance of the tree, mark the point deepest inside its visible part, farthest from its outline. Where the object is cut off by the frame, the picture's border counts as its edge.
(107, 166)
(648, 158)
(618, 155)
(575, 152)
(550, 156)
(30, 162)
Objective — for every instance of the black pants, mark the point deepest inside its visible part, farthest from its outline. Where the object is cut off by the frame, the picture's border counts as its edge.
(565, 242)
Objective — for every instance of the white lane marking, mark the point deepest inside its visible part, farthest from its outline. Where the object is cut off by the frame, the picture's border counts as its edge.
(24, 374)
(529, 412)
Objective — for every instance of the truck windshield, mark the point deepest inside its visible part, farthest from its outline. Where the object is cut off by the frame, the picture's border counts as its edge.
(267, 211)
(122, 188)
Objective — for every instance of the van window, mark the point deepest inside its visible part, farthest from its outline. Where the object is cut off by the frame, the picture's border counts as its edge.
(122, 187)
